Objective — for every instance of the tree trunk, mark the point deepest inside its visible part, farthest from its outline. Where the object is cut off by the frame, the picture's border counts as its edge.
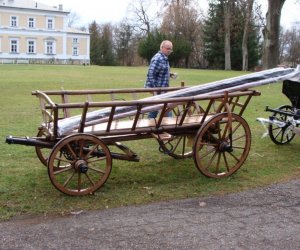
(246, 34)
(227, 35)
(271, 34)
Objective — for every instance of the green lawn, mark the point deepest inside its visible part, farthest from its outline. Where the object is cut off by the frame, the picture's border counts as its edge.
(24, 184)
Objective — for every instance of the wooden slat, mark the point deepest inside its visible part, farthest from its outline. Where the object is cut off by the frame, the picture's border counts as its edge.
(144, 123)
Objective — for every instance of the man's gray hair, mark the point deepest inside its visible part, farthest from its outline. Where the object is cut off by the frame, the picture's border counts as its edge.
(163, 43)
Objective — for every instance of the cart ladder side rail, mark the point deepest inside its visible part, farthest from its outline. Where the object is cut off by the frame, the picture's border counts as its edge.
(45, 102)
(111, 117)
(137, 116)
(83, 117)
(93, 92)
(142, 106)
(184, 112)
(243, 105)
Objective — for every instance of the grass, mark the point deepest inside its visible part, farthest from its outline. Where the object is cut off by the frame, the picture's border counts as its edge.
(24, 184)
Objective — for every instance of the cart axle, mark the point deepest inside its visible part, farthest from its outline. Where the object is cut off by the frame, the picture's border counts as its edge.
(26, 141)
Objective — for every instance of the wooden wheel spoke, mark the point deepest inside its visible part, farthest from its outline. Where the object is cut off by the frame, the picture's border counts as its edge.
(223, 136)
(97, 170)
(210, 134)
(238, 147)
(211, 160)
(239, 137)
(234, 157)
(179, 147)
(177, 144)
(92, 160)
(226, 162)
(81, 146)
(91, 150)
(219, 133)
(68, 180)
(207, 153)
(90, 180)
(71, 151)
(218, 163)
(65, 169)
(63, 160)
(236, 128)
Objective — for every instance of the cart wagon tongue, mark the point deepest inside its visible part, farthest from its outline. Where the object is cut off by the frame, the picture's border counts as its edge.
(231, 84)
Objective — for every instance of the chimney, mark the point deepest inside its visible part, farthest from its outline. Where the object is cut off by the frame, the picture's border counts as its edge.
(60, 7)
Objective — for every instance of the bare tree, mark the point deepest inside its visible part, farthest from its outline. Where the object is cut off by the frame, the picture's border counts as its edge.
(290, 46)
(181, 19)
(249, 9)
(124, 43)
(141, 20)
(72, 19)
(271, 34)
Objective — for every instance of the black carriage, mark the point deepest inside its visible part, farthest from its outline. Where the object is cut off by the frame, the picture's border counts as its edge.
(284, 120)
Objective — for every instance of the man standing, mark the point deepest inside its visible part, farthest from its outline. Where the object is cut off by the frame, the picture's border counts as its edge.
(159, 70)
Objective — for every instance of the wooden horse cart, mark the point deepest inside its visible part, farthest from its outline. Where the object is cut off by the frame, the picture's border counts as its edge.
(78, 144)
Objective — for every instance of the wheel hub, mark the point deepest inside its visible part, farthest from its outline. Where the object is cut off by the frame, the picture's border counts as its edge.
(81, 166)
(224, 146)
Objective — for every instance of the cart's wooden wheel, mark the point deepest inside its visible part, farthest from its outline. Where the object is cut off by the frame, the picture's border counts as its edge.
(281, 135)
(222, 145)
(179, 148)
(42, 153)
(79, 164)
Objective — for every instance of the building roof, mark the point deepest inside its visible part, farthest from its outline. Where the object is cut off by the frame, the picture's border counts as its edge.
(76, 31)
(29, 4)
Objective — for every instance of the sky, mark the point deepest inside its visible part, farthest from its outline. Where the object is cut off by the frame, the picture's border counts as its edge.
(103, 11)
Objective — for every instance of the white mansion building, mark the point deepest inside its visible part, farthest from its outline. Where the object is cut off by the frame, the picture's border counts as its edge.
(31, 32)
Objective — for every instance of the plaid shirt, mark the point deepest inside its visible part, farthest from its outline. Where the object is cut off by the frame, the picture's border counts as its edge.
(159, 71)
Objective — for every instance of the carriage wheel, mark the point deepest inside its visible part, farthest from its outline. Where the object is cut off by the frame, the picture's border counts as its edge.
(221, 146)
(42, 153)
(79, 164)
(282, 135)
(179, 148)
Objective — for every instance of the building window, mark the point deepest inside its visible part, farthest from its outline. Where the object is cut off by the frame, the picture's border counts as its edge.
(30, 46)
(14, 46)
(0, 46)
(50, 48)
(14, 21)
(31, 22)
(50, 23)
(75, 40)
(75, 51)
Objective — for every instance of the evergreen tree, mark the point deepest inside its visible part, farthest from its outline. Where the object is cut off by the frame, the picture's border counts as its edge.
(95, 48)
(214, 38)
(106, 45)
(149, 46)
(101, 48)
